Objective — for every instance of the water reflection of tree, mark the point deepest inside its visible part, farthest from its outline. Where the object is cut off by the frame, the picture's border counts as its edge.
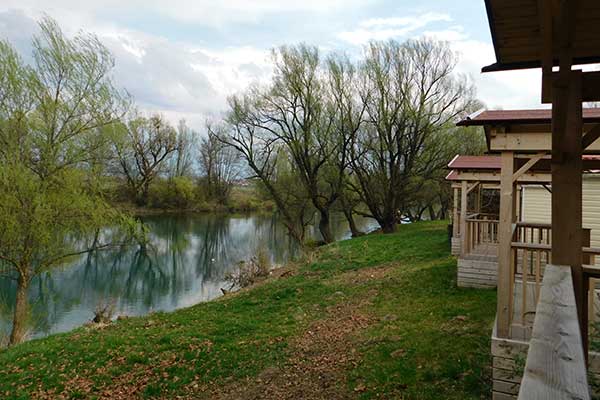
(215, 246)
(185, 256)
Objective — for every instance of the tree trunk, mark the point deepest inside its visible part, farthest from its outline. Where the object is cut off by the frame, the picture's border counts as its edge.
(142, 198)
(352, 224)
(388, 224)
(19, 328)
(325, 226)
(432, 214)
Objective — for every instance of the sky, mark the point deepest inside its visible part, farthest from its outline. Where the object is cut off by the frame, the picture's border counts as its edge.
(183, 58)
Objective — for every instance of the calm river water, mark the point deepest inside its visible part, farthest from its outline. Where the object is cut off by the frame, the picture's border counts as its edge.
(184, 264)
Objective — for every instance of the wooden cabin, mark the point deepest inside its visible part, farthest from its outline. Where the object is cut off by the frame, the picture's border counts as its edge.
(531, 240)
(556, 36)
(477, 250)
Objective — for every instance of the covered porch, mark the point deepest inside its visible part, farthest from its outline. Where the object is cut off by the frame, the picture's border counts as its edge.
(524, 250)
(555, 36)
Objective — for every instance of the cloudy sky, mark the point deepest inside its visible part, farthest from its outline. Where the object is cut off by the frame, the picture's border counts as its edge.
(184, 57)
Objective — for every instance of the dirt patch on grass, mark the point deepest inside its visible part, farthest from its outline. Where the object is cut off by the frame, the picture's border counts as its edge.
(366, 274)
(317, 368)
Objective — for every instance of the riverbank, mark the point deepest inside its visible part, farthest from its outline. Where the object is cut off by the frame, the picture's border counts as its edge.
(242, 200)
(373, 317)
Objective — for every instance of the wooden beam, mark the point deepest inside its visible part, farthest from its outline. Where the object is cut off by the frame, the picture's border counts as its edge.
(567, 232)
(507, 217)
(556, 367)
(494, 177)
(455, 220)
(463, 218)
(590, 88)
(472, 187)
(531, 142)
(591, 136)
(545, 21)
(530, 163)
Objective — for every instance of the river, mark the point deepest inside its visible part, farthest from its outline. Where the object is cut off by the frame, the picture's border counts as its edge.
(185, 262)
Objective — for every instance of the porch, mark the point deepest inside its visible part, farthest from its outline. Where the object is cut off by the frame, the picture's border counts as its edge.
(524, 256)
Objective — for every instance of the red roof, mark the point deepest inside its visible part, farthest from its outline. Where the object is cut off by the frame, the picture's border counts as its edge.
(475, 162)
(542, 116)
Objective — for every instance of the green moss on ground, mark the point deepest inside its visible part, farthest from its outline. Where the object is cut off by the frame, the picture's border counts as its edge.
(378, 316)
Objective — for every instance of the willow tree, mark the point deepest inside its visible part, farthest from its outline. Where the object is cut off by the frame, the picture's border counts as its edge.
(266, 159)
(51, 117)
(293, 114)
(411, 93)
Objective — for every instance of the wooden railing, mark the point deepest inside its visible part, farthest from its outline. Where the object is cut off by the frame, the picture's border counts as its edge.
(531, 252)
(481, 229)
(527, 267)
(528, 232)
(556, 364)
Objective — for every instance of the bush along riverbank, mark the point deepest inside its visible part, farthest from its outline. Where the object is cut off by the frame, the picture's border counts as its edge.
(378, 316)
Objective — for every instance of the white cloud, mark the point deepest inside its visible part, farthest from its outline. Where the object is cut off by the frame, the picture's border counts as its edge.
(388, 28)
(176, 79)
(205, 12)
(452, 34)
(507, 90)
(511, 89)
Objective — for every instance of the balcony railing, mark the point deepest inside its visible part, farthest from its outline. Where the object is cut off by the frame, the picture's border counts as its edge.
(531, 252)
(481, 229)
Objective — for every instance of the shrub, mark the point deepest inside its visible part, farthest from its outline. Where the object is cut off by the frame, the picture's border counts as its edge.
(104, 312)
(249, 272)
(176, 193)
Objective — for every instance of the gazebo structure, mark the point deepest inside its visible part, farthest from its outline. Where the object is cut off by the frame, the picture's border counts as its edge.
(521, 140)
(553, 35)
(477, 248)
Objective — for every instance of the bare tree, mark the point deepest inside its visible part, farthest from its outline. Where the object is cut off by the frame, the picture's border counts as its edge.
(182, 160)
(411, 95)
(265, 158)
(347, 111)
(292, 113)
(142, 146)
(220, 166)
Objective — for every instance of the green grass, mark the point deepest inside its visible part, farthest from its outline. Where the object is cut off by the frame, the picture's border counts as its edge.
(414, 346)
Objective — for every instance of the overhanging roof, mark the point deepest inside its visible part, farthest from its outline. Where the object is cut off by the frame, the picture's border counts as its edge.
(475, 162)
(516, 33)
(487, 168)
(512, 117)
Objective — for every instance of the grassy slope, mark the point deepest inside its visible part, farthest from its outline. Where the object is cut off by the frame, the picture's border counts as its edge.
(421, 338)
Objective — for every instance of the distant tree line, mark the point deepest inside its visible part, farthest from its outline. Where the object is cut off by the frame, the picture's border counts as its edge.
(369, 137)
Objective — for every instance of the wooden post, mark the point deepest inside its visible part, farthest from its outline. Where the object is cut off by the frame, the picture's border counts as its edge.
(455, 220)
(478, 209)
(567, 232)
(586, 240)
(507, 217)
(518, 211)
(463, 219)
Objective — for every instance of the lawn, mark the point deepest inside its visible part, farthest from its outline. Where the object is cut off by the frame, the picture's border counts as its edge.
(378, 316)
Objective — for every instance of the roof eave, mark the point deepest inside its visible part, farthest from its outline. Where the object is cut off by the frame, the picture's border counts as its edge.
(499, 66)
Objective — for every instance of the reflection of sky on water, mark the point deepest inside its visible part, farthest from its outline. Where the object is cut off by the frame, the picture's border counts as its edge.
(184, 263)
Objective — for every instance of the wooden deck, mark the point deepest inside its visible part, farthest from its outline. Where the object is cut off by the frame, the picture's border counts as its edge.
(479, 268)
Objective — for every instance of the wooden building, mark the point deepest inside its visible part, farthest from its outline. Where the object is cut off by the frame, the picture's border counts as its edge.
(556, 36)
